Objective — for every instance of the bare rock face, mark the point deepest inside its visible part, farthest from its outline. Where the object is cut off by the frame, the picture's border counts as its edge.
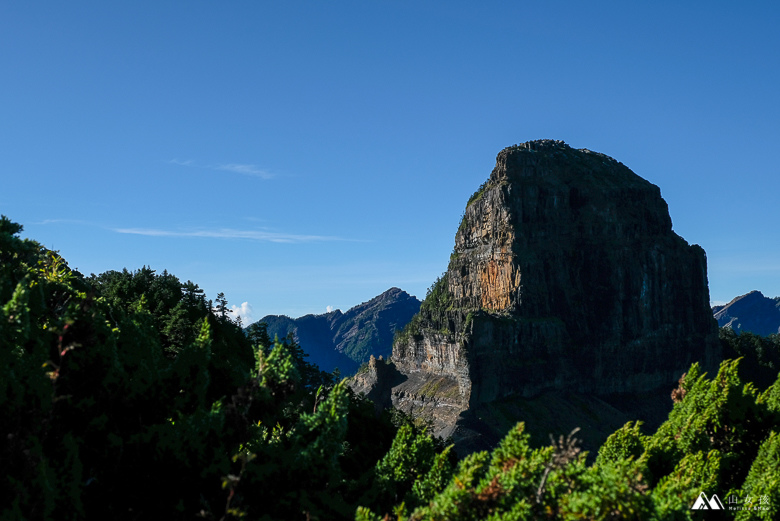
(565, 276)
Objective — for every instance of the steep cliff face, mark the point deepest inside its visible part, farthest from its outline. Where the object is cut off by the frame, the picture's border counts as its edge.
(566, 275)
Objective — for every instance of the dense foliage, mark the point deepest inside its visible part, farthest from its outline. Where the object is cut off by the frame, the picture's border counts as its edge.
(761, 355)
(476, 195)
(128, 395)
(720, 438)
(433, 310)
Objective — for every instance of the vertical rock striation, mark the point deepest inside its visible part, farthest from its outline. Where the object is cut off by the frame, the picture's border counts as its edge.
(566, 275)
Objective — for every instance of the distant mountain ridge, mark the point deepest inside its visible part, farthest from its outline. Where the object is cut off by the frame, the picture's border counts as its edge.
(346, 340)
(751, 312)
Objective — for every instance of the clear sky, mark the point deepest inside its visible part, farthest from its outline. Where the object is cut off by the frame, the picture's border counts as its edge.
(300, 155)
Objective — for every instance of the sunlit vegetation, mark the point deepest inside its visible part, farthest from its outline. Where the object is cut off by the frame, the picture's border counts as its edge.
(432, 310)
(128, 395)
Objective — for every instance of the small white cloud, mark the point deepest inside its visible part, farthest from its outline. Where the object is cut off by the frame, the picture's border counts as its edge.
(188, 162)
(251, 170)
(329, 309)
(62, 221)
(229, 233)
(238, 168)
(244, 312)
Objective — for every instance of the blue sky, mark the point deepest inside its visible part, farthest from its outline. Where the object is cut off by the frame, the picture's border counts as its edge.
(300, 155)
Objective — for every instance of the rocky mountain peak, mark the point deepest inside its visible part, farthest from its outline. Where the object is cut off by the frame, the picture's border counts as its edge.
(565, 275)
(347, 339)
(391, 295)
(751, 312)
(540, 145)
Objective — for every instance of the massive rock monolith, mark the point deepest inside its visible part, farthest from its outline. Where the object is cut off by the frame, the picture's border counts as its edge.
(566, 276)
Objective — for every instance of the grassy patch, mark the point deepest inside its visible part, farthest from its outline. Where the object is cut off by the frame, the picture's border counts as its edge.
(478, 194)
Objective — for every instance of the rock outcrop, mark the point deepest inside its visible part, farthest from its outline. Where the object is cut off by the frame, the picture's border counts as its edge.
(566, 276)
(752, 312)
(347, 340)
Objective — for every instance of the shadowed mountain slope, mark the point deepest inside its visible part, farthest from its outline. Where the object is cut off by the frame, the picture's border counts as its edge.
(752, 312)
(346, 340)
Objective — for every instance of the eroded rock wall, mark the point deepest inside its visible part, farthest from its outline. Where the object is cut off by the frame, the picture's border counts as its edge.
(566, 275)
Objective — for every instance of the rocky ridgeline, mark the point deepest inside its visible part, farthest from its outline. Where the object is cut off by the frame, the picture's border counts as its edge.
(346, 340)
(565, 276)
(752, 312)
